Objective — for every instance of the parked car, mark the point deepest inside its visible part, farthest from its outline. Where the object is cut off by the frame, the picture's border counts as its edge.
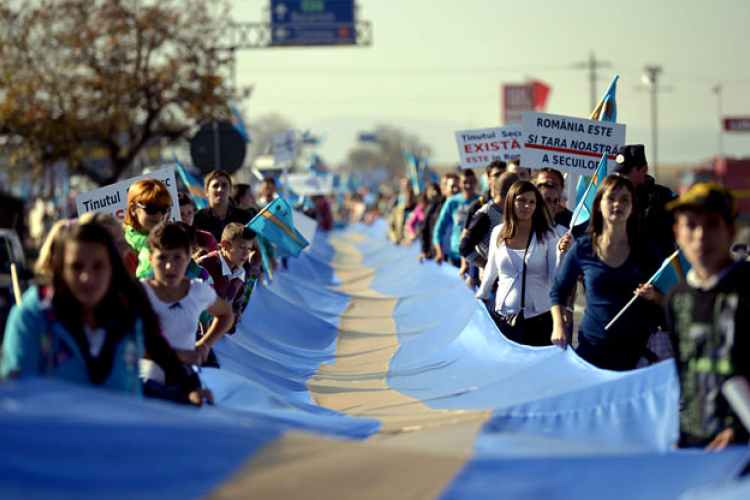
(11, 252)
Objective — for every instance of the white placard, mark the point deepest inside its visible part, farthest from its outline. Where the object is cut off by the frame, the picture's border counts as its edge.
(305, 225)
(284, 148)
(310, 184)
(373, 176)
(113, 199)
(569, 144)
(479, 148)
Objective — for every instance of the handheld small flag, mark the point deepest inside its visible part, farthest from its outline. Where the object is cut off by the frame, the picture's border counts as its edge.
(671, 272)
(668, 275)
(238, 122)
(274, 223)
(605, 111)
(583, 211)
(316, 165)
(429, 175)
(195, 188)
(413, 170)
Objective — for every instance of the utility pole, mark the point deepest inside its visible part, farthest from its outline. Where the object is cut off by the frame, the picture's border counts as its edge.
(592, 65)
(719, 123)
(650, 79)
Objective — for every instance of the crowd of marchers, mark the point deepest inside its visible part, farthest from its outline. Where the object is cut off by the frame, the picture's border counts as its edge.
(527, 257)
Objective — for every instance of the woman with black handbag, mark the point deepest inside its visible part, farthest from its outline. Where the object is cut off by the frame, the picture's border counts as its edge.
(523, 258)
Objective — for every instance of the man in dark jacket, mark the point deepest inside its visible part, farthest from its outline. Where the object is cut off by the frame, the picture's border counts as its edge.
(656, 221)
(219, 213)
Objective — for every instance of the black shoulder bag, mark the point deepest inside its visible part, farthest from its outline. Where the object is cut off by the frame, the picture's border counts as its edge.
(512, 325)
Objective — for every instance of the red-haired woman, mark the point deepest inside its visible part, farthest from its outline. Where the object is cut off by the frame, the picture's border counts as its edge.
(149, 204)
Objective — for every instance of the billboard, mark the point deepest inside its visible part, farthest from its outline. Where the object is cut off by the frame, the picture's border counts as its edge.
(517, 98)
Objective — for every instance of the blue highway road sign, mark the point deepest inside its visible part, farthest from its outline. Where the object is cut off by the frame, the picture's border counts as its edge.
(313, 22)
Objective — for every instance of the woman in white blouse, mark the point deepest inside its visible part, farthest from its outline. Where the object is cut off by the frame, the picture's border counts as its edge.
(525, 224)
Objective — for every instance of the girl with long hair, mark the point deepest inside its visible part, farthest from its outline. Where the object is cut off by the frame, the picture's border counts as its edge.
(524, 236)
(614, 260)
(92, 325)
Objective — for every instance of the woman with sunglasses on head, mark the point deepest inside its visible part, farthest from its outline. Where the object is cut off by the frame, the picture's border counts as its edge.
(92, 325)
(524, 239)
(149, 204)
(614, 260)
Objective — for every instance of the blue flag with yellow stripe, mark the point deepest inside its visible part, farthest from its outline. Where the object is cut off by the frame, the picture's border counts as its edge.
(605, 111)
(195, 188)
(274, 223)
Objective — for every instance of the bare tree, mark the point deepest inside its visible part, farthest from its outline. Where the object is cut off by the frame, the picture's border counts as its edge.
(109, 76)
(388, 151)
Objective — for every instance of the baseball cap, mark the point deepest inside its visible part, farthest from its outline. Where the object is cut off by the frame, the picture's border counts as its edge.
(629, 156)
(709, 197)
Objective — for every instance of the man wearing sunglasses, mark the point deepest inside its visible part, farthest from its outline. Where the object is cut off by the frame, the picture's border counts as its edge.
(550, 176)
(219, 213)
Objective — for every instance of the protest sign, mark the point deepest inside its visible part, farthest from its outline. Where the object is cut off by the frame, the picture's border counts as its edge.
(568, 144)
(113, 199)
(304, 224)
(479, 148)
(310, 184)
(284, 148)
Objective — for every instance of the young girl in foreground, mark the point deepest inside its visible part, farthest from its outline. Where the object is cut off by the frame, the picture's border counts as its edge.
(614, 261)
(92, 324)
(178, 302)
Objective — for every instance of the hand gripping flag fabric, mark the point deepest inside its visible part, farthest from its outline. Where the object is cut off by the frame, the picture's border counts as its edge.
(274, 223)
(195, 188)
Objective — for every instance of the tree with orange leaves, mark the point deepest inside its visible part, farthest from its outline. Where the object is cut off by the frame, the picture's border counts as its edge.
(108, 75)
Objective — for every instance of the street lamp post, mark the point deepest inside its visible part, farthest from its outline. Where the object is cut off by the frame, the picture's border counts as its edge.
(719, 125)
(650, 79)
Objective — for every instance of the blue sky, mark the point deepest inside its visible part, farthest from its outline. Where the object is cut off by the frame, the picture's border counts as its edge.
(437, 66)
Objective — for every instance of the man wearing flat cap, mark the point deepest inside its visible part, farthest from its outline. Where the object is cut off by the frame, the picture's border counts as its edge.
(709, 316)
(656, 222)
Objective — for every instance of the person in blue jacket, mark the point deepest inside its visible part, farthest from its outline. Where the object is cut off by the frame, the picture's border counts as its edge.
(92, 325)
(452, 218)
(615, 260)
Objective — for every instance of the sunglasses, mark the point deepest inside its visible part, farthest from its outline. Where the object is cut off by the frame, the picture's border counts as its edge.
(153, 209)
